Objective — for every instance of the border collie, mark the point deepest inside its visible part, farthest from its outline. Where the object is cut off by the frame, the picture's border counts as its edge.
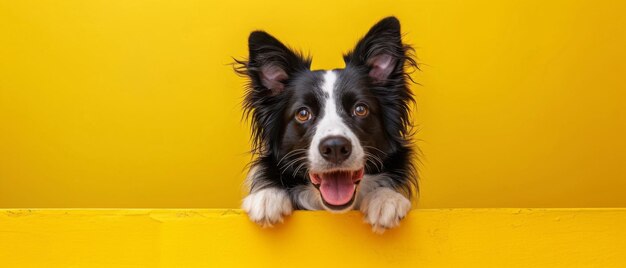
(330, 139)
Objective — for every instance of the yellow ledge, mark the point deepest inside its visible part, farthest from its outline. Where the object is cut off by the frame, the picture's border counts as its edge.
(217, 238)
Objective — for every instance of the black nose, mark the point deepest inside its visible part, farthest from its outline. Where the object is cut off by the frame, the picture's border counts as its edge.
(335, 149)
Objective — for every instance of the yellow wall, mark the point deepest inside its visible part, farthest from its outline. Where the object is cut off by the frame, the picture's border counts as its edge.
(132, 103)
(227, 238)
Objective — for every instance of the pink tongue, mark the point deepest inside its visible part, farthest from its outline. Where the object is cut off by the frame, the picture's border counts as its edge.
(337, 189)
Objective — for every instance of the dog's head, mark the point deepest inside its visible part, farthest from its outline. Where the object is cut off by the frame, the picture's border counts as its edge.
(330, 126)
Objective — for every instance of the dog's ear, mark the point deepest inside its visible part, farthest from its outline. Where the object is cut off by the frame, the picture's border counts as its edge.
(271, 63)
(380, 52)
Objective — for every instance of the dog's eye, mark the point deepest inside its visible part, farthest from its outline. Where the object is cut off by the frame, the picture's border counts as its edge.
(303, 115)
(361, 110)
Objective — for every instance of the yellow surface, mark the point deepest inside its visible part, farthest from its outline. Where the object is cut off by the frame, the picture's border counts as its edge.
(133, 103)
(221, 238)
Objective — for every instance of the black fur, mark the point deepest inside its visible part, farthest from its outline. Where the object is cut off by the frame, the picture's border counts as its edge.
(385, 134)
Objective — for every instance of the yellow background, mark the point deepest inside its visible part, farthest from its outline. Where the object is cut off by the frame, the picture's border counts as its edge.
(133, 103)
(477, 237)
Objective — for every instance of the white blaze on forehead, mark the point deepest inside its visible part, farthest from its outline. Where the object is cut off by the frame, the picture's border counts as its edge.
(332, 124)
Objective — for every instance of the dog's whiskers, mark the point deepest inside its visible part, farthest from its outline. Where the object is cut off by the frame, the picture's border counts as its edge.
(287, 165)
(372, 164)
(370, 157)
(372, 147)
(368, 165)
(292, 163)
(292, 153)
(298, 168)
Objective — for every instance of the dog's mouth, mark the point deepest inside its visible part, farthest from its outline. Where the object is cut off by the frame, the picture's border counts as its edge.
(337, 188)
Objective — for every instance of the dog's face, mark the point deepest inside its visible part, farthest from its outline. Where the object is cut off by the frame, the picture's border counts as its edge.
(330, 126)
(335, 118)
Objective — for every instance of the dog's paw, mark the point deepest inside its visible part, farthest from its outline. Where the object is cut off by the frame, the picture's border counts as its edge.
(268, 206)
(384, 208)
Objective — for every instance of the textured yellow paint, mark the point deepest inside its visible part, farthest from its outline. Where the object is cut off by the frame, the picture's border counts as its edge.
(113, 103)
(223, 238)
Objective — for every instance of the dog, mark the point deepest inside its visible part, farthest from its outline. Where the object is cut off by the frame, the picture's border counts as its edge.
(331, 139)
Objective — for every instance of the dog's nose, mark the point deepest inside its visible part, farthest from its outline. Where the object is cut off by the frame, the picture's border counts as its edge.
(335, 149)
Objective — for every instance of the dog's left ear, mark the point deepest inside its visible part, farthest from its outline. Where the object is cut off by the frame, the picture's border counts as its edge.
(381, 51)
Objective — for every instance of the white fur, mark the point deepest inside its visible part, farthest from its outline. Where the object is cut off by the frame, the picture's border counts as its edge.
(384, 208)
(268, 206)
(331, 124)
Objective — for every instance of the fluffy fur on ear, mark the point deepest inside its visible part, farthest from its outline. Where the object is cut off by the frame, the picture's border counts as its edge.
(269, 68)
(382, 52)
(270, 62)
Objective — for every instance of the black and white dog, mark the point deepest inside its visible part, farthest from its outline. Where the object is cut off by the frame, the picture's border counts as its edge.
(331, 139)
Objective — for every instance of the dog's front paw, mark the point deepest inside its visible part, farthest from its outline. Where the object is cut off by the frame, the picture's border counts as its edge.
(268, 206)
(384, 208)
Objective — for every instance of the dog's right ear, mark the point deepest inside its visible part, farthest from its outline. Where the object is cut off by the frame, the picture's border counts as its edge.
(271, 63)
